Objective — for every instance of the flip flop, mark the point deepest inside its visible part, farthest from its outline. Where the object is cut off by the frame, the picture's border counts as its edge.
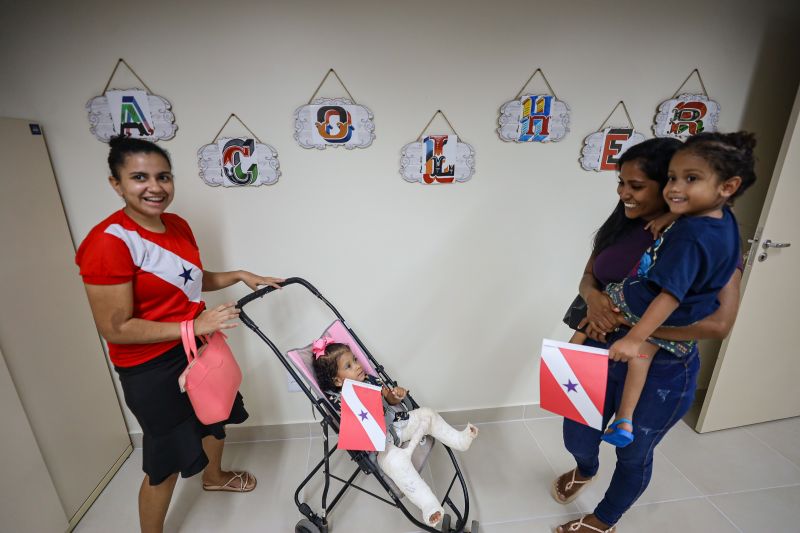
(619, 437)
(237, 483)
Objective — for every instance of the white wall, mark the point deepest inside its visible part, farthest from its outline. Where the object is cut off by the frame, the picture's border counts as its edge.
(453, 287)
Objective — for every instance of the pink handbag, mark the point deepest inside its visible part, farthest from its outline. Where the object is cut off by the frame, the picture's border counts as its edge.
(212, 378)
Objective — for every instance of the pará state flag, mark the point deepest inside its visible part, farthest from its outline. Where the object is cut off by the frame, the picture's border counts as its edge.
(572, 381)
(363, 425)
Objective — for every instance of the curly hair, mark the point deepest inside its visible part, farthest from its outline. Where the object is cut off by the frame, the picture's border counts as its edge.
(326, 367)
(729, 154)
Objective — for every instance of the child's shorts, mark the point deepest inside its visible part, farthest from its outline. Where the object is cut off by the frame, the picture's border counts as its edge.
(678, 348)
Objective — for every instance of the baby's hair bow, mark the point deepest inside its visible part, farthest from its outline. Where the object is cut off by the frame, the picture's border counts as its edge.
(319, 345)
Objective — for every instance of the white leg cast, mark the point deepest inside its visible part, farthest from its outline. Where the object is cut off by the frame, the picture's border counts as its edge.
(426, 421)
(396, 463)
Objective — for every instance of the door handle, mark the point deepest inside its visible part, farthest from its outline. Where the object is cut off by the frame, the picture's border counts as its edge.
(767, 244)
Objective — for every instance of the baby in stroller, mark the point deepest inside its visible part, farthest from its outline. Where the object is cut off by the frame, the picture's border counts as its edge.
(333, 363)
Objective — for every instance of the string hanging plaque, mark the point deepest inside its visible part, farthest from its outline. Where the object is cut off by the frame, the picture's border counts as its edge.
(534, 117)
(437, 159)
(335, 122)
(602, 149)
(238, 161)
(133, 112)
(687, 114)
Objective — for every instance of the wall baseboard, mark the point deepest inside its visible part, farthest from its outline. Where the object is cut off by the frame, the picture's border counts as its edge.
(304, 430)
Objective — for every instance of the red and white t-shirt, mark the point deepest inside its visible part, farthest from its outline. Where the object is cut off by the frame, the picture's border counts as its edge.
(164, 268)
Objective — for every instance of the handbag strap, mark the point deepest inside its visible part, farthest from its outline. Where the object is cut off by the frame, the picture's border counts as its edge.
(190, 331)
(206, 338)
(187, 336)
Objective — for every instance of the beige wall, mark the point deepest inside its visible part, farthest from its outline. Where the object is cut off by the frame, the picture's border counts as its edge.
(452, 287)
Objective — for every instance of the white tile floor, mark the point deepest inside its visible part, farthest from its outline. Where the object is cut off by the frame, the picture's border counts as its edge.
(743, 480)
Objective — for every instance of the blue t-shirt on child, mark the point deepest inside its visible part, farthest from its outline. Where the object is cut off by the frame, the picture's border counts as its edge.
(692, 260)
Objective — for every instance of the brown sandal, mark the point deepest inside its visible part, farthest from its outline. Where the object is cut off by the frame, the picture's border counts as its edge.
(579, 525)
(232, 485)
(561, 498)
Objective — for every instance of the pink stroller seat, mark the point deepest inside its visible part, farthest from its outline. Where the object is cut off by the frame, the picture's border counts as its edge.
(303, 358)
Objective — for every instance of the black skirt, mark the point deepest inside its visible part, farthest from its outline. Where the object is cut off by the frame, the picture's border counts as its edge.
(172, 434)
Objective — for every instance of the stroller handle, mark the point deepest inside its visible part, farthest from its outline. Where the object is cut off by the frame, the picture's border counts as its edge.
(269, 288)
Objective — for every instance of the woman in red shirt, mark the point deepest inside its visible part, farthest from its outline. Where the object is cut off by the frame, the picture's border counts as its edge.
(143, 277)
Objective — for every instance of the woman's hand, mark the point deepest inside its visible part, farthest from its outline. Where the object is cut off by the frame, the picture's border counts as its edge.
(625, 349)
(212, 320)
(660, 223)
(599, 335)
(601, 312)
(254, 281)
(592, 332)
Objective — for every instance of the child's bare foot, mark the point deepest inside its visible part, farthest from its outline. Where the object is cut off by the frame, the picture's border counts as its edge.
(434, 518)
(472, 430)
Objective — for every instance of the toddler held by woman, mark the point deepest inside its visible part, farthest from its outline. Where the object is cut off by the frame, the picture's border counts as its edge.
(677, 280)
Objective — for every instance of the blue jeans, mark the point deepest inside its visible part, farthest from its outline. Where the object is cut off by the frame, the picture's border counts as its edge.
(667, 396)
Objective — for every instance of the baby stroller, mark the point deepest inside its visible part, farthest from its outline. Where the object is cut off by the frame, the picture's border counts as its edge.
(299, 365)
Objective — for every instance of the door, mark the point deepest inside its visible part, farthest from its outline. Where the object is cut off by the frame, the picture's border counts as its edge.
(755, 377)
(47, 335)
(29, 502)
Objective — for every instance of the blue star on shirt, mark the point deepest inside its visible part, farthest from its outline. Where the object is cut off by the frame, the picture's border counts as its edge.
(187, 275)
(571, 387)
(363, 415)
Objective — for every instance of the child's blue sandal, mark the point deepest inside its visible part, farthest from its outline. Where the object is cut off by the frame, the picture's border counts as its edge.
(619, 437)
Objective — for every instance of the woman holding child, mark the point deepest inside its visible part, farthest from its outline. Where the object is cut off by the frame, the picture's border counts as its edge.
(711, 168)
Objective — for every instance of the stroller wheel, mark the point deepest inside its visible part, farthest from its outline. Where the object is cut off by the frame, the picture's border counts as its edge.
(445, 525)
(474, 527)
(306, 526)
